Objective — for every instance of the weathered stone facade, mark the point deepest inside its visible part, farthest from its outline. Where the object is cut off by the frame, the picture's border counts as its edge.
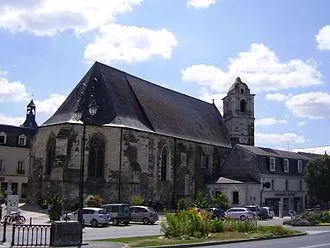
(238, 113)
(132, 164)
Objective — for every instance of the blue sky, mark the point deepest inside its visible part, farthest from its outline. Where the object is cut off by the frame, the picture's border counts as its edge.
(281, 49)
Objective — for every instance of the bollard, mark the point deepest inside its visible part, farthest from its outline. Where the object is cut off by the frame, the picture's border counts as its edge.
(4, 231)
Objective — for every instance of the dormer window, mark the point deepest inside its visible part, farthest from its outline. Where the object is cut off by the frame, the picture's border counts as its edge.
(299, 166)
(272, 164)
(3, 138)
(22, 140)
(286, 165)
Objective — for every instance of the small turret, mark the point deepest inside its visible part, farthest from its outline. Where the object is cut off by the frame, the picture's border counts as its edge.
(30, 120)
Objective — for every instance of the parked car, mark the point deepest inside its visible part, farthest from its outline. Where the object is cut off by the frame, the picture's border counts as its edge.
(118, 212)
(146, 215)
(253, 208)
(239, 213)
(91, 216)
(217, 213)
(271, 213)
(263, 213)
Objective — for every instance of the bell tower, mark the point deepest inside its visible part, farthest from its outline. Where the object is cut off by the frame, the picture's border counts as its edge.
(30, 120)
(238, 113)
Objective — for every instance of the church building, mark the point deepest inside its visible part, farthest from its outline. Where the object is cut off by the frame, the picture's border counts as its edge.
(141, 140)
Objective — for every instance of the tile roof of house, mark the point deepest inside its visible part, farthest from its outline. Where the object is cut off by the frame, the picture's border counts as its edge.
(128, 101)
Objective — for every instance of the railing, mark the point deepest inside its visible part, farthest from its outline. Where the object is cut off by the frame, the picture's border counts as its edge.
(30, 235)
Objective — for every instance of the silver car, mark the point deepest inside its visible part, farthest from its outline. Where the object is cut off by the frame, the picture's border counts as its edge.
(143, 214)
(91, 216)
(239, 213)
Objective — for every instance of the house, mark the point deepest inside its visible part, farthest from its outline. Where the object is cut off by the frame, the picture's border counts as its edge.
(144, 140)
(15, 147)
(276, 176)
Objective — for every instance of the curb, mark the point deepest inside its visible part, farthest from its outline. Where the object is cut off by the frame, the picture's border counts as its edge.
(223, 242)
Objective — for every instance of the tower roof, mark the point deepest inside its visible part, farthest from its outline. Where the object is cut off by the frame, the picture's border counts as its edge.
(237, 83)
(31, 104)
(128, 101)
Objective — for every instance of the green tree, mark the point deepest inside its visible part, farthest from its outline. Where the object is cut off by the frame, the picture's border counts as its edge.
(317, 178)
(201, 201)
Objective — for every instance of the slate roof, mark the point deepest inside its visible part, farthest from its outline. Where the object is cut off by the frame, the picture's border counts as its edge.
(269, 152)
(128, 101)
(13, 132)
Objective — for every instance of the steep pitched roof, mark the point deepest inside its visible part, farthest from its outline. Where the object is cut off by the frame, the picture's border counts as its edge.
(269, 152)
(127, 101)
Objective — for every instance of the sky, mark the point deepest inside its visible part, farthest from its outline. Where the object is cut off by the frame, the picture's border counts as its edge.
(280, 49)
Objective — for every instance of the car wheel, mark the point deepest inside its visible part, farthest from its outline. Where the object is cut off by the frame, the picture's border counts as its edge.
(242, 217)
(145, 221)
(94, 223)
(116, 222)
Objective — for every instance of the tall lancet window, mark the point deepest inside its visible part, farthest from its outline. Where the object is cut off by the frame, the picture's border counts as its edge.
(96, 157)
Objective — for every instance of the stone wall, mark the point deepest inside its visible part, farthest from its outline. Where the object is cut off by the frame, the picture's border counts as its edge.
(131, 165)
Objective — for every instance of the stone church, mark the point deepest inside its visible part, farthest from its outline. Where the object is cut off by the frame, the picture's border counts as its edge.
(144, 140)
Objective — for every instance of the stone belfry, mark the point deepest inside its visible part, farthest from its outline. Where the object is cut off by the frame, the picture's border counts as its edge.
(238, 113)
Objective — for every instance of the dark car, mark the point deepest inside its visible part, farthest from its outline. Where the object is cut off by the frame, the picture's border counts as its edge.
(119, 213)
(217, 213)
(263, 214)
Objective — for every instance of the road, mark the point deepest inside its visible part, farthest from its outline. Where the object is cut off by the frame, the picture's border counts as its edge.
(308, 241)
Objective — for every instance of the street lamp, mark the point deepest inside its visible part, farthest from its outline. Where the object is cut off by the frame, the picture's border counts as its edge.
(86, 108)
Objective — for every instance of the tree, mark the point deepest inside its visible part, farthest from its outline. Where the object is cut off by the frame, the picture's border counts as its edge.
(317, 178)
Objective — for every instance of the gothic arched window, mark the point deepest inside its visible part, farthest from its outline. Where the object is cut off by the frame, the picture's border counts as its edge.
(50, 156)
(96, 156)
(243, 106)
(165, 164)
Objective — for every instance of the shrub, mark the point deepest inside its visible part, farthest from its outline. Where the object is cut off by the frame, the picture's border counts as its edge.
(187, 224)
(221, 201)
(55, 207)
(181, 204)
(93, 201)
(137, 200)
(201, 201)
(216, 226)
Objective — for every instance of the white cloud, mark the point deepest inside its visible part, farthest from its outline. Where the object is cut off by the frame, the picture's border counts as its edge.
(269, 122)
(278, 139)
(276, 97)
(130, 44)
(200, 3)
(259, 67)
(316, 150)
(323, 38)
(216, 98)
(12, 91)
(301, 123)
(49, 17)
(313, 105)
(9, 120)
(50, 105)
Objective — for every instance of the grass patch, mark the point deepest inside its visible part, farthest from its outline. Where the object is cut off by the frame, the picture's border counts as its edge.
(262, 232)
(162, 240)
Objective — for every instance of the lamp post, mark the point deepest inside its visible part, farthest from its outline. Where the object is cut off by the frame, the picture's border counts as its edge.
(86, 108)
